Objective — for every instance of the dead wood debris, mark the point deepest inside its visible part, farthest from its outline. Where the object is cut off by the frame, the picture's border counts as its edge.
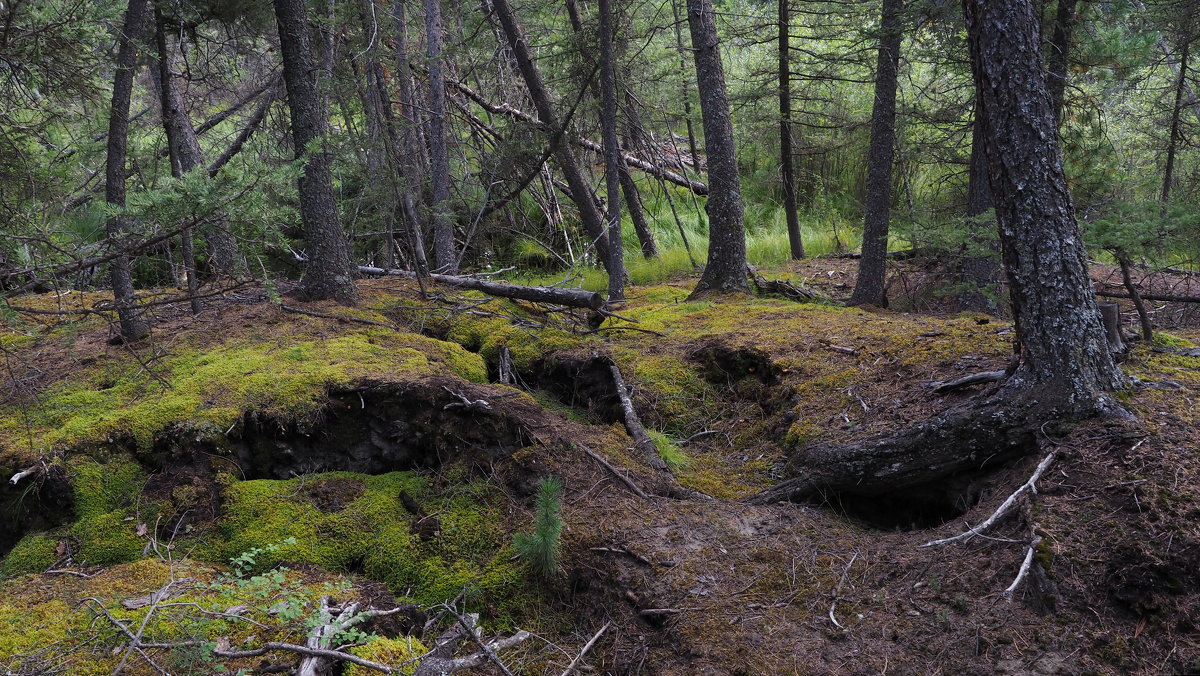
(633, 423)
(1004, 508)
(616, 472)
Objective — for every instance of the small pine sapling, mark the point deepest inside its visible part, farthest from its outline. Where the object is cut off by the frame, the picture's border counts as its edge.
(540, 549)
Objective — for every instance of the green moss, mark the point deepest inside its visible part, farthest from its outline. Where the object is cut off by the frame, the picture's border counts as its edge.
(677, 394)
(801, 433)
(107, 539)
(372, 532)
(1164, 339)
(33, 636)
(390, 651)
(670, 452)
(281, 377)
(33, 554)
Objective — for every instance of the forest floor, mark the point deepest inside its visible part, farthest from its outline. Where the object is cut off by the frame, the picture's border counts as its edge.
(213, 483)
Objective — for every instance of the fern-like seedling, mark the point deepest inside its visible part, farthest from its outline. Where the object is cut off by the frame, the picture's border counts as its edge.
(540, 549)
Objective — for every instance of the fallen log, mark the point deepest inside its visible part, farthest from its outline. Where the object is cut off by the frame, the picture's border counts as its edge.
(633, 424)
(535, 294)
(1162, 298)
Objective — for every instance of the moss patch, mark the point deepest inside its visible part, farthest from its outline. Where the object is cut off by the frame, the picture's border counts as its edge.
(390, 651)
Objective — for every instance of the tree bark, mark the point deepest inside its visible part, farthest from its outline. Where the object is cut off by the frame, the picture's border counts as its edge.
(726, 270)
(580, 189)
(439, 153)
(330, 272)
(1064, 353)
(685, 91)
(1057, 60)
(786, 169)
(131, 326)
(412, 163)
(612, 153)
(869, 289)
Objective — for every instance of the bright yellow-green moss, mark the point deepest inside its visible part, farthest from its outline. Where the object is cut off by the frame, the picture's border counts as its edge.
(670, 453)
(389, 651)
(460, 544)
(677, 394)
(33, 554)
(1164, 339)
(36, 637)
(280, 377)
(107, 509)
(527, 346)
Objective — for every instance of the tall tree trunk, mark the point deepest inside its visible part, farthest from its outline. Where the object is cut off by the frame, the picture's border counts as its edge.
(131, 326)
(786, 170)
(381, 150)
(726, 270)
(685, 90)
(439, 154)
(612, 153)
(412, 164)
(1065, 358)
(1060, 50)
(637, 214)
(870, 288)
(979, 269)
(580, 188)
(1173, 139)
(182, 146)
(330, 272)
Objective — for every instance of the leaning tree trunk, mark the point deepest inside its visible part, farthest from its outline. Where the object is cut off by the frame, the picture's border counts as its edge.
(580, 188)
(1173, 139)
(330, 272)
(869, 289)
(786, 170)
(612, 153)
(979, 269)
(131, 326)
(439, 152)
(726, 269)
(1064, 352)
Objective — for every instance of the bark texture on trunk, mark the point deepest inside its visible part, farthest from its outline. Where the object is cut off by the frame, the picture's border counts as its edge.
(869, 289)
(330, 272)
(786, 169)
(612, 153)
(1173, 139)
(131, 326)
(580, 189)
(439, 152)
(1064, 353)
(726, 270)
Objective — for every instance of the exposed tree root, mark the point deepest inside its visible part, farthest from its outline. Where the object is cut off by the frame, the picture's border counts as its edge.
(633, 424)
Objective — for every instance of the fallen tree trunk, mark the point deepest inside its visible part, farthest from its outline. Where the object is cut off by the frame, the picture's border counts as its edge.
(535, 294)
(961, 440)
(1163, 298)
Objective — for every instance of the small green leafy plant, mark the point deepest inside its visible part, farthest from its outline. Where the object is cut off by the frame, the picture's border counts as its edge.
(540, 549)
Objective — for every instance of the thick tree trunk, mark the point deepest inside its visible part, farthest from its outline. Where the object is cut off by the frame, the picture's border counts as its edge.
(786, 170)
(131, 326)
(580, 189)
(979, 270)
(330, 272)
(869, 289)
(1064, 353)
(1057, 60)
(612, 153)
(439, 152)
(726, 270)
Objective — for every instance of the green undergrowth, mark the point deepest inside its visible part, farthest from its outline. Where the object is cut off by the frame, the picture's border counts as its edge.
(354, 522)
(285, 377)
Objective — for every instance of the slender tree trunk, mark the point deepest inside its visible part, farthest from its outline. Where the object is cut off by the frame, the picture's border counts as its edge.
(580, 188)
(685, 90)
(1173, 139)
(1060, 50)
(439, 154)
(726, 270)
(787, 172)
(381, 151)
(182, 146)
(612, 153)
(637, 214)
(412, 163)
(131, 326)
(870, 289)
(1065, 360)
(979, 270)
(330, 272)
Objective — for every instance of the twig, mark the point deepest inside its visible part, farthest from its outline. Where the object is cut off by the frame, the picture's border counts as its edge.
(1004, 508)
(1025, 566)
(624, 479)
(464, 402)
(612, 550)
(586, 647)
(836, 592)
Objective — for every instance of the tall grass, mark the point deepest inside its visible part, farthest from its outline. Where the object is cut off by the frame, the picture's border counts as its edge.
(766, 242)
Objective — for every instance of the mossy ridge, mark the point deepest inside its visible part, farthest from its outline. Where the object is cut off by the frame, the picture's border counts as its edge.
(372, 533)
(282, 377)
